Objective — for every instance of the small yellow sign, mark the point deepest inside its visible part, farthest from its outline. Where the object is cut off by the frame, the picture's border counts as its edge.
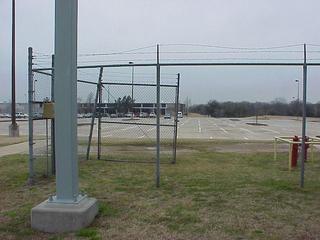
(48, 110)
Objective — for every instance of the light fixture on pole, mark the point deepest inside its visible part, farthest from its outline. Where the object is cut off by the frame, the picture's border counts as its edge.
(132, 80)
(13, 128)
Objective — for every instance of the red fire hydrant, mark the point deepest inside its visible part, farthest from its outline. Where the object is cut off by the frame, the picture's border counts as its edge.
(294, 151)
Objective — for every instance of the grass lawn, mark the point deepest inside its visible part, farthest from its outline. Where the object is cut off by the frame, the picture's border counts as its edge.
(206, 195)
(6, 140)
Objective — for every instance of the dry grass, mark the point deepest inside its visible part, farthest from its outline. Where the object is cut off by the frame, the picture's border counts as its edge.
(206, 195)
(5, 140)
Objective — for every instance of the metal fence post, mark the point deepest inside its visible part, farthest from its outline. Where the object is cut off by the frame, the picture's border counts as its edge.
(158, 121)
(92, 122)
(53, 156)
(304, 115)
(93, 116)
(99, 116)
(30, 111)
(175, 136)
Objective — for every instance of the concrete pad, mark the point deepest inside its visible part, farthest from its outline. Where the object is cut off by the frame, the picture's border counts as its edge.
(53, 217)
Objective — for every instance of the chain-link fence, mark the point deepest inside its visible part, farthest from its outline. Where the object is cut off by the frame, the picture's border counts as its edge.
(126, 123)
(40, 125)
(117, 116)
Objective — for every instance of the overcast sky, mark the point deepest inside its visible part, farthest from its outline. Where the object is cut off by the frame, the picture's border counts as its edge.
(117, 25)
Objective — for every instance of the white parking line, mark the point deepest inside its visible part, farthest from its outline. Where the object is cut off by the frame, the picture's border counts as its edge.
(225, 131)
(246, 130)
(141, 136)
(214, 123)
(199, 126)
(270, 130)
(245, 138)
(128, 128)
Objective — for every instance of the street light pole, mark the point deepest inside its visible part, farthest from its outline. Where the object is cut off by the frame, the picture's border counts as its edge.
(297, 81)
(298, 97)
(13, 128)
(132, 80)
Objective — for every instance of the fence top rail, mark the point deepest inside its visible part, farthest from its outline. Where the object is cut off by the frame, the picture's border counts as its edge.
(139, 84)
(128, 84)
(186, 64)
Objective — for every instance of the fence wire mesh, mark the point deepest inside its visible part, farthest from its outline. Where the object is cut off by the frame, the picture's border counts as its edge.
(42, 128)
(128, 117)
(125, 105)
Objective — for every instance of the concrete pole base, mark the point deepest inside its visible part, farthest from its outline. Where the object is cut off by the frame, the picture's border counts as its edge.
(53, 217)
(14, 130)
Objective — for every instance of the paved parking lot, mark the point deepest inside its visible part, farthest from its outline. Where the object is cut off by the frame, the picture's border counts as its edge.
(190, 128)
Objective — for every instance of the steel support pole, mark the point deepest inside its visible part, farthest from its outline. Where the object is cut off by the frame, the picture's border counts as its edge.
(65, 90)
(158, 121)
(53, 156)
(47, 148)
(99, 116)
(175, 136)
(13, 128)
(13, 66)
(30, 112)
(304, 115)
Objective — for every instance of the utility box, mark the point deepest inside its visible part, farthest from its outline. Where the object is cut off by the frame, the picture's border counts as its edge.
(48, 110)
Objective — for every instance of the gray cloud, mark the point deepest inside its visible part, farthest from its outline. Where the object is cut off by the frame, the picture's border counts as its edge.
(121, 24)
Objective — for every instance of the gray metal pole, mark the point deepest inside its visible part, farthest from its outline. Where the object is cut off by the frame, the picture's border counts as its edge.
(53, 156)
(65, 90)
(13, 67)
(132, 80)
(158, 120)
(99, 116)
(175, 136)
(298, 91)
(30, 111)
(47, 148)
(92, 122)
(304, 114)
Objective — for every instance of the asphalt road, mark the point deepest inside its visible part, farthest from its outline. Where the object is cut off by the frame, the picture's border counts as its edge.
(189, 127)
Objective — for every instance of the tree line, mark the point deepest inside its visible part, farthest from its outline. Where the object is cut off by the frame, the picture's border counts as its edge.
(245, 109)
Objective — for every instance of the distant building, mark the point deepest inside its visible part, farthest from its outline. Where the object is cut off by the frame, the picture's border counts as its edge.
(111, 108)
(20, 107)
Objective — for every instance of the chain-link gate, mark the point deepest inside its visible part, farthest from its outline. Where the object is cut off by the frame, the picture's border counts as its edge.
(125, 122)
